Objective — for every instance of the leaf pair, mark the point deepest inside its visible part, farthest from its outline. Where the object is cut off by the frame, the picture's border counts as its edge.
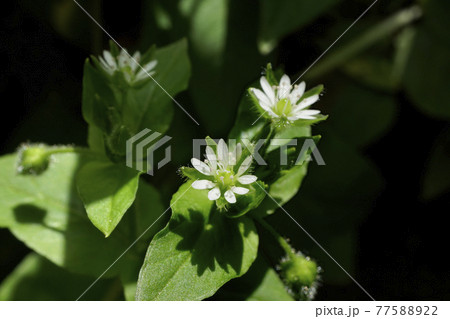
(115, 112)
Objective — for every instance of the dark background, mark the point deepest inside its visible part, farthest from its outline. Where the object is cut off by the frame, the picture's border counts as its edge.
(395, 240)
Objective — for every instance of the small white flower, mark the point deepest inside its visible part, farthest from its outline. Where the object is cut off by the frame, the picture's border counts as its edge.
(222, 176)
(282, 102)
(128, 65)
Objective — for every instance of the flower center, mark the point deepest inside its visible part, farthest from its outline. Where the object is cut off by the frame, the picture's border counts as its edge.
(225, 178)
(283, 107)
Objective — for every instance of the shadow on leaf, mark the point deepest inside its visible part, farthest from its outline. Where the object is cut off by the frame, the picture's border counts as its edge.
(214, 243)
(29, 214)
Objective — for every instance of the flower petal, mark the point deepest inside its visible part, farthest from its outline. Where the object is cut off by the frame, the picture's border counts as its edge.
(297, 93)
(264, 102)
(304, 114)
(240, 190)
(310, 112)
(285, 80)
(146, 70)
(214, 193)
(106, 66)
(245, 165)
(247, 179)
(222, 152)
(211, 156)
(203, 184)
(134, 61)
(262, 99)
(150, 66)
(284, 87)
(201, 167)
(110, 59)
(267, 89)
(303, 117)
(230, 197)
(306, 102)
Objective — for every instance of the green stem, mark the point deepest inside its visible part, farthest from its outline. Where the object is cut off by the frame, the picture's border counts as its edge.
(73, 150)
(267, 142)
(279, 239)
(402, 51)
(375, 34)
(69, 149)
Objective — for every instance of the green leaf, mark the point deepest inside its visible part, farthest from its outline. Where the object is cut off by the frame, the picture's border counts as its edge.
(359, 115)
(281, 17)
(260, 283)
(372, 70)
(37, 279)
(220, 46)
(285, 180)
(197, 252)
(209, 29)
(95, 139)
(283, 189)
(107, 191)
(288, 134)
(247, 125)
(288, 156)
(121, 111)
(148, 210)
(129, 276)
(148, 217)
(429, 60)
(98, 96)
(45, 213)
(149, 106)
(247, 202)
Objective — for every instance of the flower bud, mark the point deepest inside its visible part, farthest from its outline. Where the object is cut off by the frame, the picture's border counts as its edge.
(300, 274)
(33, 159)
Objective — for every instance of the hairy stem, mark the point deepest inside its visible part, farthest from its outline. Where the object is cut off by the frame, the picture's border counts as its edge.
(278, 238)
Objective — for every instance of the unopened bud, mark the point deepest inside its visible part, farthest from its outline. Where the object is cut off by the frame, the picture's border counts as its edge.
(300, 274)
(33, 159)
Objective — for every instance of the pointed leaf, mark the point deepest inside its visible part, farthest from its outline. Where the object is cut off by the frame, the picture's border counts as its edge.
(107, 191)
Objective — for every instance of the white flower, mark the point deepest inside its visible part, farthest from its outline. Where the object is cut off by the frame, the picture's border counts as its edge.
(282, 102)
(128, 65)
(222, 176)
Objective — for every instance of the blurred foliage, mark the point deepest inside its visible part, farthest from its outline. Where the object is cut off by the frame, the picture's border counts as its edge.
(35, 278)
(386, 54)
(437, 172)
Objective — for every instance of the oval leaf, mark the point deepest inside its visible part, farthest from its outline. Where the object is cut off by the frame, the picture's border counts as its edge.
(197, 252)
